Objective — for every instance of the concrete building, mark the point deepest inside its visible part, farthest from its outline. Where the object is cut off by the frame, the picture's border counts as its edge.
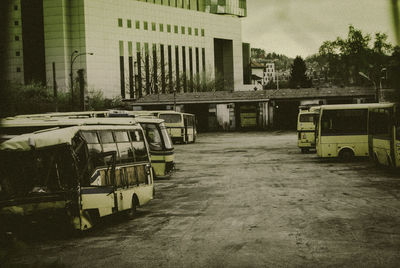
(139, 47)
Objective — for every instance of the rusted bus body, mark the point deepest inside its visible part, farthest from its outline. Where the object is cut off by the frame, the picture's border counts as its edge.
(79, 173)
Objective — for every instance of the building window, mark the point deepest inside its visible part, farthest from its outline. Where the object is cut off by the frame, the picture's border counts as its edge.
(121, 68)
(145, 25)
(153, 26)
(189, 30)
(196, 31)
(137, 24)
(16, 38)
(18, 69)
(182, 29)
(184, 69)
(203, 59)
(168, 28)
(17, 53)
(129, 24)
(190, 69)
(178, 86)
(161, 27)
(202, 32)
(16, 23)
(119, 22)
(176, 29)
(162, 65)
(147, 67)
(170, 82)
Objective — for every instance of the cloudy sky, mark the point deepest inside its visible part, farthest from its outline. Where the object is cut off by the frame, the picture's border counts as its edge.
(298, 27)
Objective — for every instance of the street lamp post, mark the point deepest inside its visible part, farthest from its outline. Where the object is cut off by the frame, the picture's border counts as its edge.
(377, 90)
(74, 55)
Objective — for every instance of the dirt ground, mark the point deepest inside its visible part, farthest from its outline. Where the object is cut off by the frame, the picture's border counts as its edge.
(242, 200)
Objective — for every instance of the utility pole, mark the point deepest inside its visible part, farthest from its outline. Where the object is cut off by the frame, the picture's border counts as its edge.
(72, 60)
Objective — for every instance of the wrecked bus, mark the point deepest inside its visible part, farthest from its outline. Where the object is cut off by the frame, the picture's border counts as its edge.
(81, 173)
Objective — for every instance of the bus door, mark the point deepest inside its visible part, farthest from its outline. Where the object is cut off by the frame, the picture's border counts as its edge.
(101, 193)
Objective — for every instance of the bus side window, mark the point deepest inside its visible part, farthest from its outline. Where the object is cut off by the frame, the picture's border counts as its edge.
(398, 133)
(139, 146)
(124, 146)
(93, 142)
(107, 141)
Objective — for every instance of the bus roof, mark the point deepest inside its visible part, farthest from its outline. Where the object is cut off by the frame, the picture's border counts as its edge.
(52, 137)
(151, 119)
(308, 112)
(355, 106)
(61, 121)
(65, 114)
(171, 112)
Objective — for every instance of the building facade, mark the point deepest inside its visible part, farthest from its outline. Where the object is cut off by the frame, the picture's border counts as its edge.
(127, 48)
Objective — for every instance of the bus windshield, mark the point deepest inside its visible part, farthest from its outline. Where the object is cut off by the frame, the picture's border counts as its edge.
(153, 136)
(309, 118)
(30, 173)
(171, 118)
(166, 137)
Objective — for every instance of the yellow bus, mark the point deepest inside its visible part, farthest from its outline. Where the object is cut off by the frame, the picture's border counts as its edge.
(80, 173)
(306, 121)
(160, 144)
(161, 148)
(343, 130)
(181, 126)
(384, 131)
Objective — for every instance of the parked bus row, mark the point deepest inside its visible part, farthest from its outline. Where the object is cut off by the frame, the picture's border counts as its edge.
(352, 130)
(81, 165)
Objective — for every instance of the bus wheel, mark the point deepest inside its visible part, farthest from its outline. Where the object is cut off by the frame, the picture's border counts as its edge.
(132, 211)
(346, 155)
(389, 161)
(376, 161)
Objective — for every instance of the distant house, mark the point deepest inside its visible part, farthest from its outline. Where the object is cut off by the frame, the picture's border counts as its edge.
(262, 73)
(258, 74)
(270, 72)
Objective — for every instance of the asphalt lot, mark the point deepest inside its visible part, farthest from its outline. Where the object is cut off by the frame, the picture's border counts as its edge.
(242, 200)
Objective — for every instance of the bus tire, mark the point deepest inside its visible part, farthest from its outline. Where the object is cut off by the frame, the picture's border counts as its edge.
(346, 155)
(131, 213)
(389, 161)
(376, 160)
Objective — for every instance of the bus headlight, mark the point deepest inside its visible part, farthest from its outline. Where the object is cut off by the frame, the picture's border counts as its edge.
(148, 167)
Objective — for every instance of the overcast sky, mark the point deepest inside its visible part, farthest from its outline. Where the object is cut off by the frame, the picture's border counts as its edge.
(298, 27)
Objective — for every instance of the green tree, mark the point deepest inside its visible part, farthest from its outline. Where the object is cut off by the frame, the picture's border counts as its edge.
(298, 77)
(343, 59)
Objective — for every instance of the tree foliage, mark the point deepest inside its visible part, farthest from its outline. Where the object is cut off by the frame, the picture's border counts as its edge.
(341, 61)
(298, 77)
(35, 98)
